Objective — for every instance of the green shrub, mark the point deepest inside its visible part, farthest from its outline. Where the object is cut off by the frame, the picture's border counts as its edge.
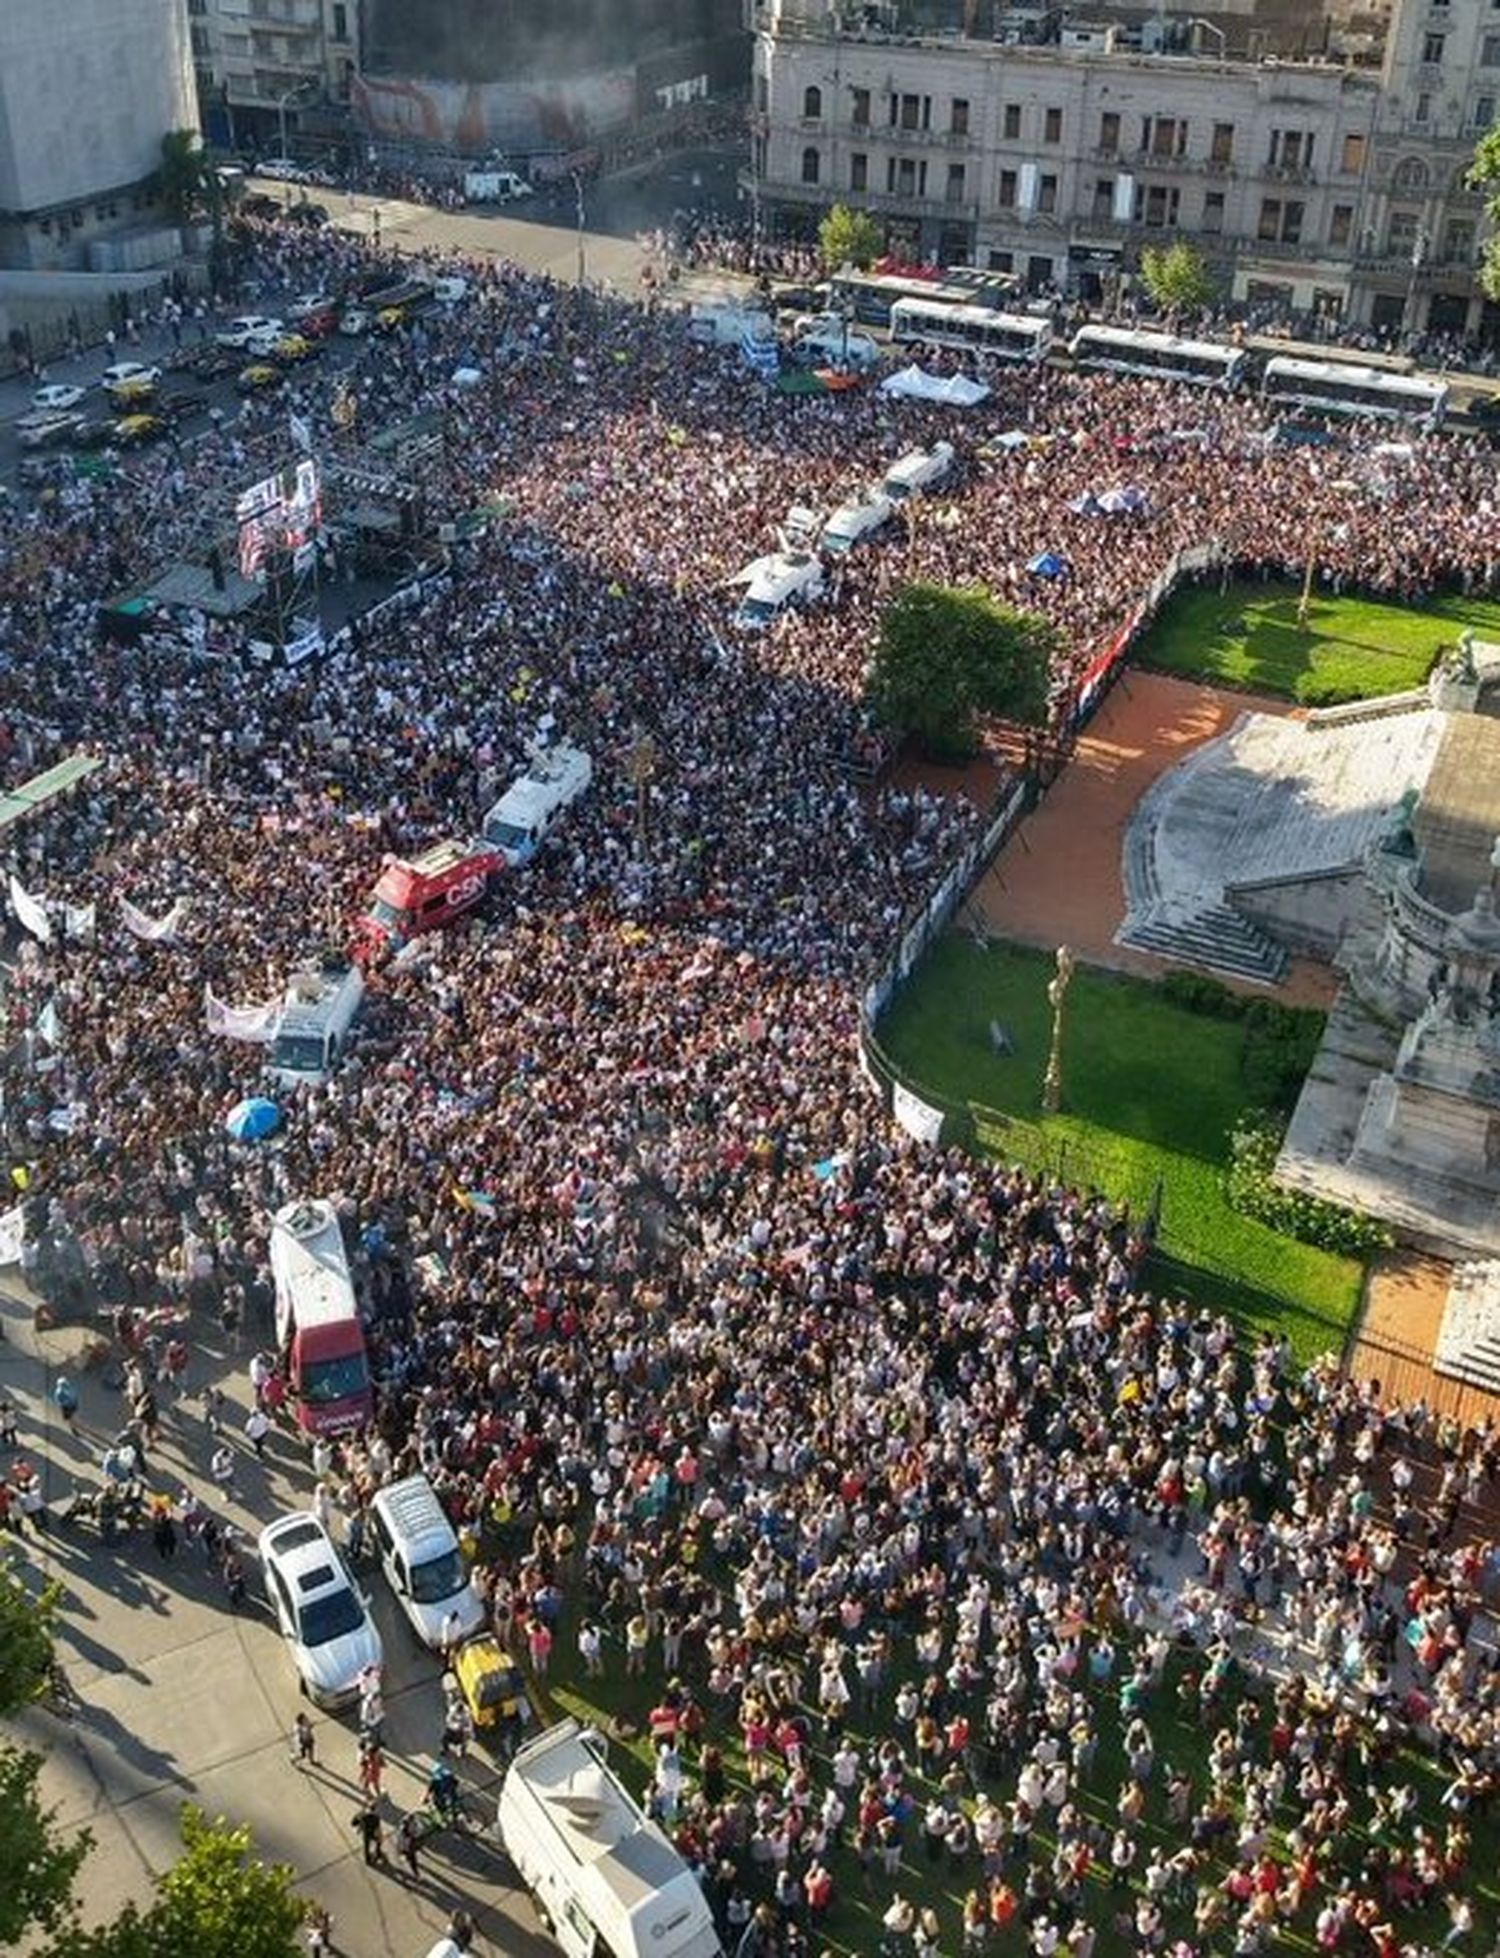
(1253, 1148)
(1316, 689)
(1281, 1043)
(1195, 992)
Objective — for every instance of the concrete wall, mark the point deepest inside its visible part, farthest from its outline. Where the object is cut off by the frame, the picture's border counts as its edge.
(1306, 914)
(88, 88)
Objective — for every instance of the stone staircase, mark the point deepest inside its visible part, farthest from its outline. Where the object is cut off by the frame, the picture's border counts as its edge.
(1468, 1342)
(1216, 937)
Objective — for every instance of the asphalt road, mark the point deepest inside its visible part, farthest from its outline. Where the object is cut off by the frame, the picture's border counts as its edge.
(184, 1700)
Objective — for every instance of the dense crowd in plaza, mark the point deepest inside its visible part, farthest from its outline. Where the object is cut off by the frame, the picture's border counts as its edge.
(873, 1466)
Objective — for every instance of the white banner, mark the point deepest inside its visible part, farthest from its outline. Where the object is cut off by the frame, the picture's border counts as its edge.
(31, 913)
(79, 920)
(12, 1231)
(919, 1118)
(241, 1022)
(158, 929)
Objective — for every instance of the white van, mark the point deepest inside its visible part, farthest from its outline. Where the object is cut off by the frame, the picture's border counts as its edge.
(604, 1878)
(772, 582)
(919, 471)
(721, 324)
(830, 344)
(318, 1011)
(554, 777)
(422, 1562)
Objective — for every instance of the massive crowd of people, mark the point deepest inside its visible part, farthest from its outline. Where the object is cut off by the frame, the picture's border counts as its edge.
(875, 1467)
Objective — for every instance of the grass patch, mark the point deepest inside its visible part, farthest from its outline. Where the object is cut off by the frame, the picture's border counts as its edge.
(1353, 648)
(1151, 1093)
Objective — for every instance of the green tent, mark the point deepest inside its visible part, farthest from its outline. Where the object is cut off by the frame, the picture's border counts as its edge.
(795, 380)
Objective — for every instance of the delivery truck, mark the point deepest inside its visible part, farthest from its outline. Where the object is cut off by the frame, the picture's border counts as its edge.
(605, 1878)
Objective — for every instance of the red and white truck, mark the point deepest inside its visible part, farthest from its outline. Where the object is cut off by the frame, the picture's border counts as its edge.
(424, 893)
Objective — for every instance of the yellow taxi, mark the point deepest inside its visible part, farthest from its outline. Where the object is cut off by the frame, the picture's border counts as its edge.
(258, 376)
(491, 1683)
(294, 347)
(128, 395)
(132, 430)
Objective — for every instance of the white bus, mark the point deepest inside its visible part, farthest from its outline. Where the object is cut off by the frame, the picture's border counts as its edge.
(1120, 350)
(1009, 336)
(1332, 388)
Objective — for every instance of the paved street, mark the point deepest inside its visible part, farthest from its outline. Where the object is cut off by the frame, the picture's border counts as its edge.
(184, 1700)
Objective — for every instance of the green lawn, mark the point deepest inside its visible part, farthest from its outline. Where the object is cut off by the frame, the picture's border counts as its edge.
(1353, 648)
(1150, 1094)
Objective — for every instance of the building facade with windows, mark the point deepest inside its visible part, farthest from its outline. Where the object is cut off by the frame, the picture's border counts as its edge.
(1312, 185)
(265, 64)
(87, 91)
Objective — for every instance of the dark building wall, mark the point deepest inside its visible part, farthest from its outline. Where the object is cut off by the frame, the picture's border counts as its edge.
(484, 41)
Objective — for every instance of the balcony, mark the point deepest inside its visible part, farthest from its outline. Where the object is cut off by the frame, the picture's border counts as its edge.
(1290, 173)
(881, 203)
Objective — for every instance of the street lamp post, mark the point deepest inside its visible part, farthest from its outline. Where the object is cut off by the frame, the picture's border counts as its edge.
(1057, 993)
(582, 218)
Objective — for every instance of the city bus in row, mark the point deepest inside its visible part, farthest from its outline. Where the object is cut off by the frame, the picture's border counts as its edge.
(1008, 336)
(1157, 356)
(1336, 388)
(869, 296)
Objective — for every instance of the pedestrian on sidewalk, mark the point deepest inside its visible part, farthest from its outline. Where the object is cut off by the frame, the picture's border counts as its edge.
(257, 1427)
(371, 1767)
(408, 1836)
(65, 1399)
(319, 1931)
(372, 1836)
(304, 1742)
(221, 1468)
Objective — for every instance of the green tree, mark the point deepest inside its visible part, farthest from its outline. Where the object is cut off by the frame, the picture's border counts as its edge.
(37, 1870)
(947, 655)
(1484, 174)
(183, 175)
(218, 1900)
(1177, 277)
(848, 237)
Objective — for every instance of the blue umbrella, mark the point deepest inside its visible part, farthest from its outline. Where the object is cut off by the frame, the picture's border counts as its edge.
(1048, 565)
(249, 1121)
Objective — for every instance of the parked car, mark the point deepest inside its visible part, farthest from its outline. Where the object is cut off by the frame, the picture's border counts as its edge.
(283, 168)
(292, 348)
(129, 379)
(259, 377)
(57, 398)
(492, 1685)
(315, 316)
(321, 1613)
(45, 430)
(210, 363)
(249, 327)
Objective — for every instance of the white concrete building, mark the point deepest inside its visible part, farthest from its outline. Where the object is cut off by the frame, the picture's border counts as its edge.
(87, 91)
(254, 58)
(1308, 183)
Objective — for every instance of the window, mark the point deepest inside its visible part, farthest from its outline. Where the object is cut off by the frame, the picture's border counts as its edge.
(999, 261)
(1401, 234)
(1411, 174)
(1422, 112)
(1213, 210)
(1011, 122)
(1052, 126)
(340, 20)
(916, 112)
(1484, 111)
(1104, 197)
(812, 104)
(1109, 132)
(1489, 51)
(958, 117)
(859, 171)
(812, 164)
(1432, 48)
(199, 38)
(1458, 241)
(1047, 193)
(1340, 224)
(1291, 223)
(1291, 149)
(955, 190)
(904, 177)
(1269, 223)
(1353, 160)
(1007, 198)
(1221, 149)
(762, 94)
(859, 114)
(1163, 135)
(1157, 205)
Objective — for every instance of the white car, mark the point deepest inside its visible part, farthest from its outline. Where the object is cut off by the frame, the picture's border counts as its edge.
(323, 1615)
(281, 167)
(854, 519)
(128, 374)
(36, 431)
(918, 471)
(247, 329)
(57, 398)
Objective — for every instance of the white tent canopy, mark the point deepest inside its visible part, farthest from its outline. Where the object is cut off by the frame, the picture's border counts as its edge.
(914, 384)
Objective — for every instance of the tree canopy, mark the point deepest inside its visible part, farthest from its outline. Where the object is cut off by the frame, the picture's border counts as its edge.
(848, 237)
(184, 175)
(1484, 174)
(947, 655)
(1177, 277)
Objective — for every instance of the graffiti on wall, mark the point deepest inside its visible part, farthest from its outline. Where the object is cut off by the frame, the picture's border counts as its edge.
(477, 116)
